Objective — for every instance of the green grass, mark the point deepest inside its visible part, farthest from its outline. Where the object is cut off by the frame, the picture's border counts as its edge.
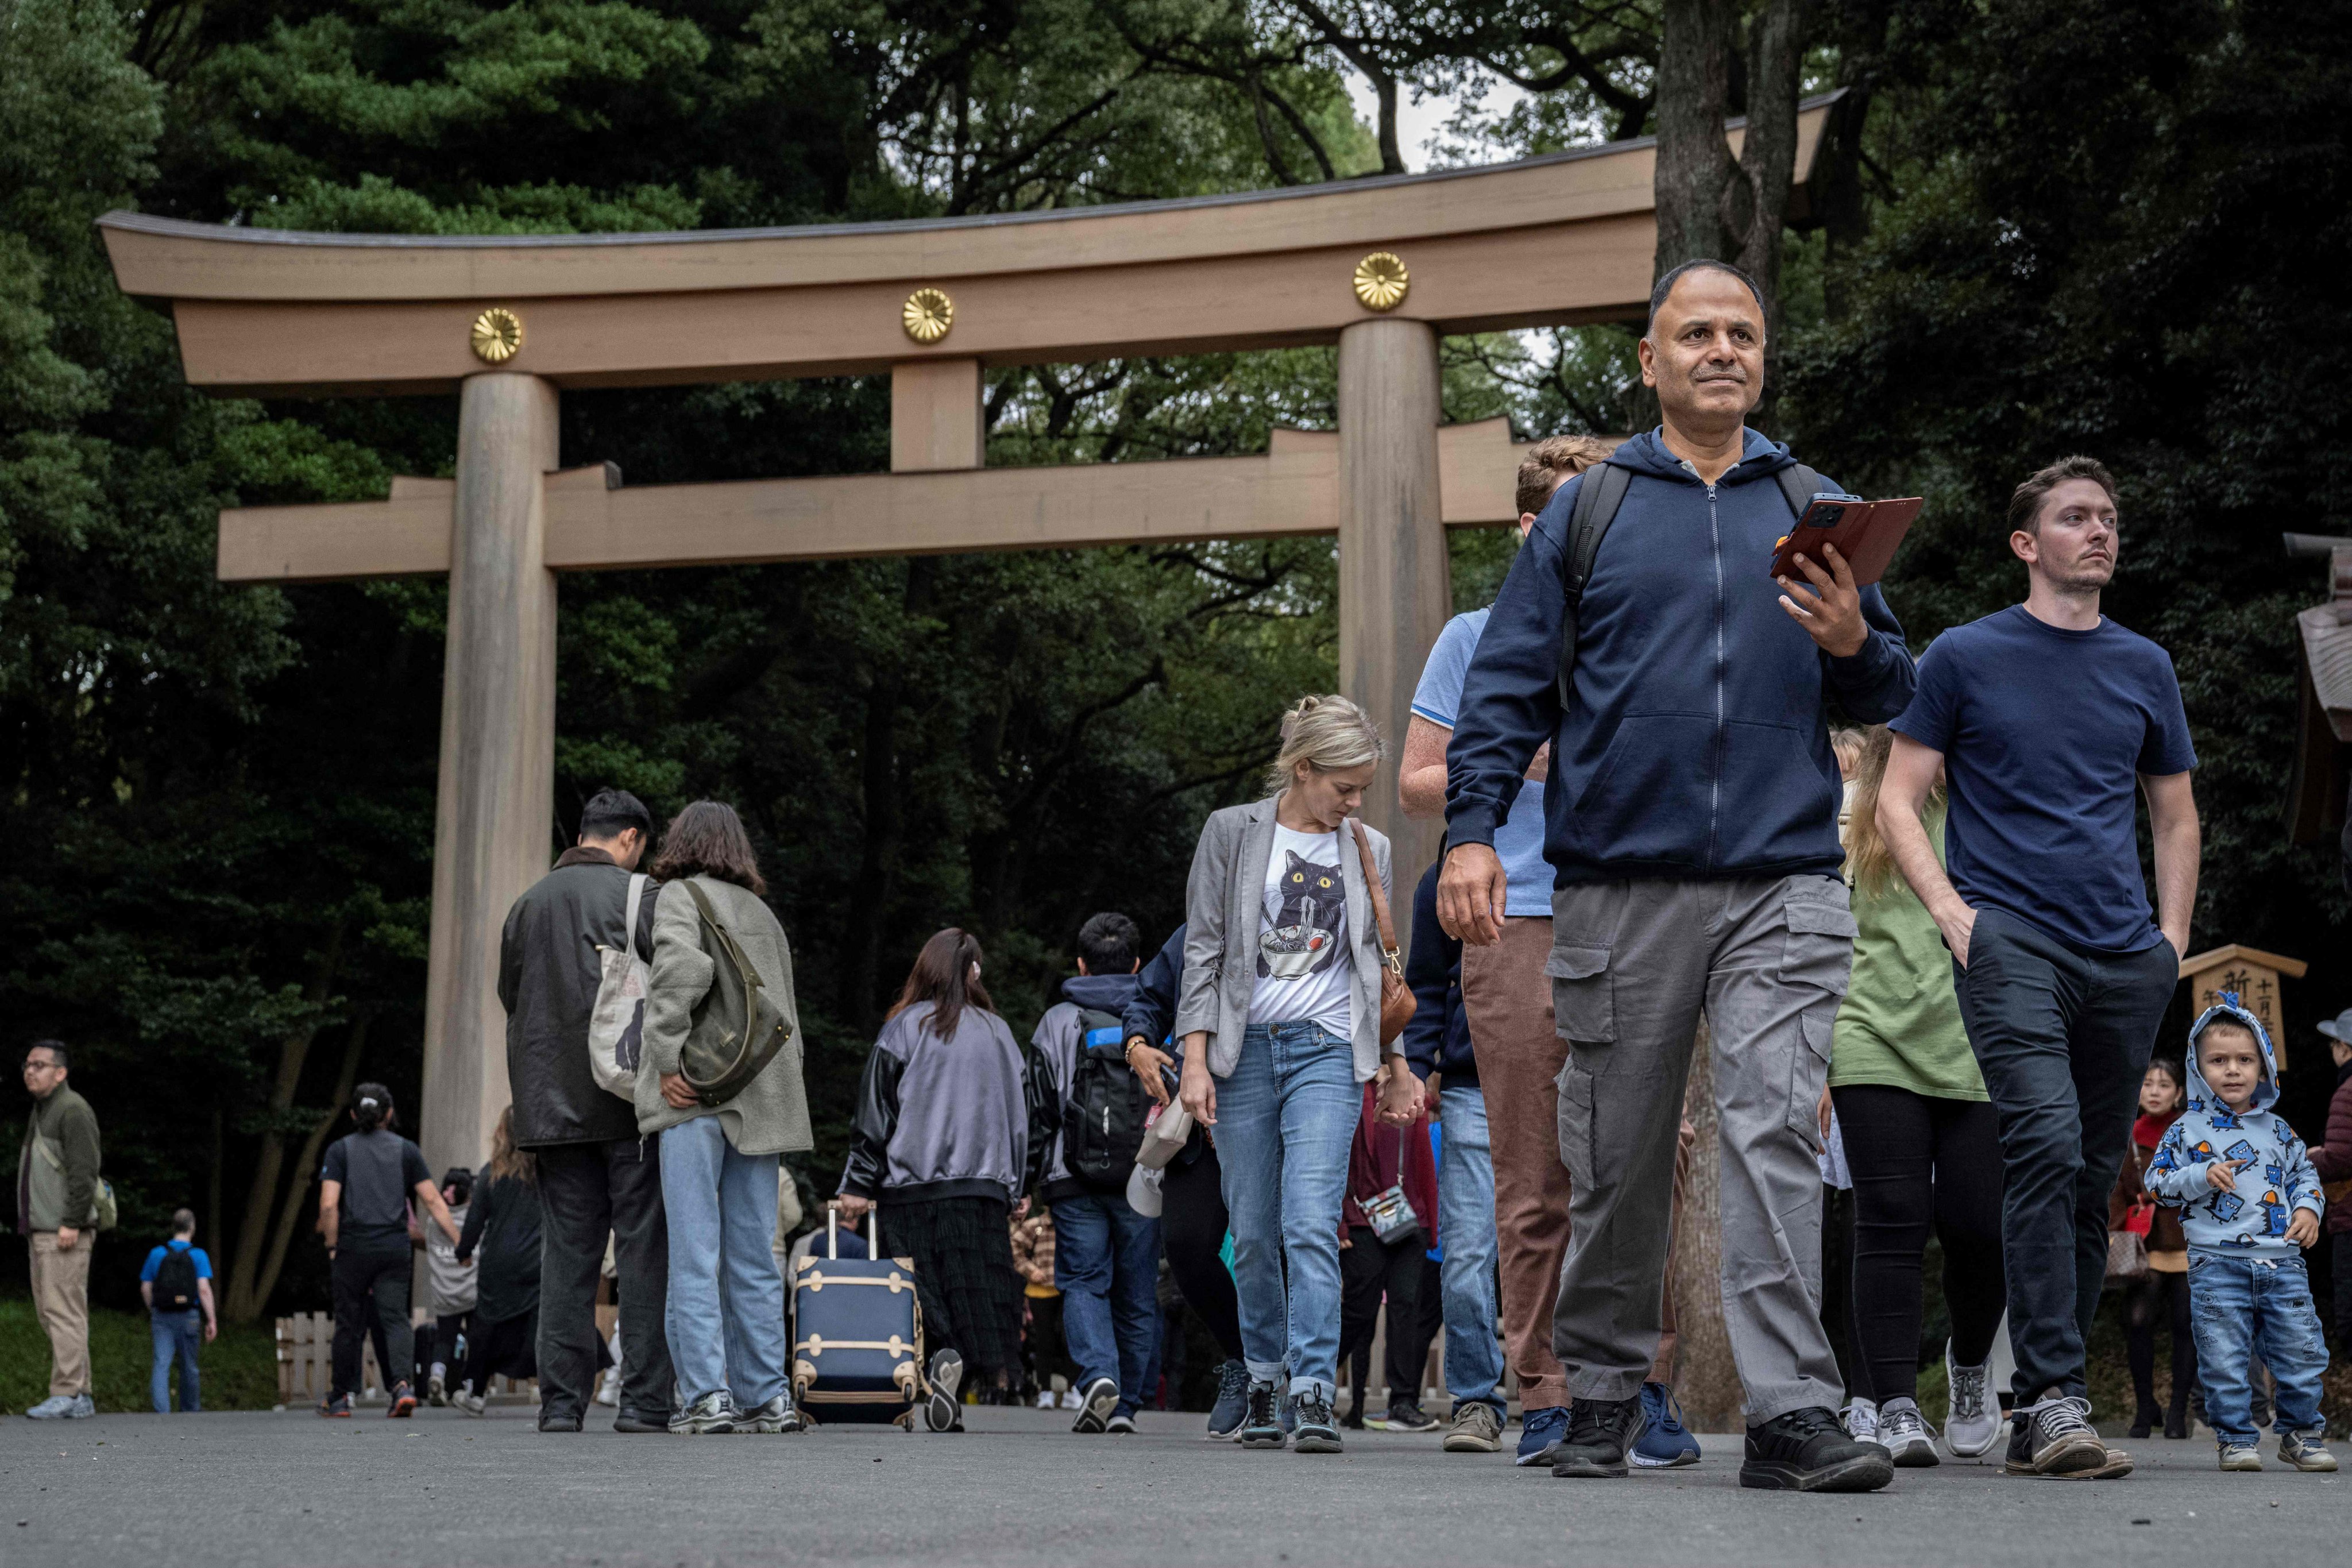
(238, 1370)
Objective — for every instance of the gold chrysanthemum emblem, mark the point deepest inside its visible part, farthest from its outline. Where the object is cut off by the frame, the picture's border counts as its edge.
(928, 316)
(497, 335)
(1381, 281)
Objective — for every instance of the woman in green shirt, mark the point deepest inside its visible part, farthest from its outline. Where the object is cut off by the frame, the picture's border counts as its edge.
(1920, 1139)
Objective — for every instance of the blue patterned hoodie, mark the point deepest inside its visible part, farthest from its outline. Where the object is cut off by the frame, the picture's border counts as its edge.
(2276, 1178)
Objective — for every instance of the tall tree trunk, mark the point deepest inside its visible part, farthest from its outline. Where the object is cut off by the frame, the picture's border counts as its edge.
(1767, 163)
(880, 788)
(299, 1190)
(1705, 1380)
(1695, 165)
(242, 1302)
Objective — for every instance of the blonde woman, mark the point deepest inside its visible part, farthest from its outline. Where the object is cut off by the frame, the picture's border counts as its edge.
(1279, 1015)
(1921, 1140)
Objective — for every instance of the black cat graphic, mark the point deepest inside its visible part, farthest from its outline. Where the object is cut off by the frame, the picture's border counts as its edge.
(1305, 935)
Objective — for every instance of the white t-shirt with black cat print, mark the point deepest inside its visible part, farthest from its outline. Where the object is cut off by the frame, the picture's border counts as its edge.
(1305, 970)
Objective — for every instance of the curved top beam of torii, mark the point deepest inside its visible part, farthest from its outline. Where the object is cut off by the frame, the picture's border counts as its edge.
(1553, 241)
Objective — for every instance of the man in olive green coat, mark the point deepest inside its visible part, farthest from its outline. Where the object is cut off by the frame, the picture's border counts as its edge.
(57, 1208)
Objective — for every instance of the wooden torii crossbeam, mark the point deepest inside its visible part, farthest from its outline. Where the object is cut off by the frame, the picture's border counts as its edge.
(1380, 267)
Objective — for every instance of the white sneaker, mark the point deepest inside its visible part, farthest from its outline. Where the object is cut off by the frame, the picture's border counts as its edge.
(2241, 1457)
(1861, 1419)
(2306, 1451)
(55, 1407)
(1904, 1433)
(1045, 1400)
(1972, 1424)
(608, 1392)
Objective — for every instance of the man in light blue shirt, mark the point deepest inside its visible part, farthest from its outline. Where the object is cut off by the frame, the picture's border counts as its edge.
(1514, 1111)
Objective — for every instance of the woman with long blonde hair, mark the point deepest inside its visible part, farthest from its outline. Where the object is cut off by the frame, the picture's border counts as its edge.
(1921, 1142)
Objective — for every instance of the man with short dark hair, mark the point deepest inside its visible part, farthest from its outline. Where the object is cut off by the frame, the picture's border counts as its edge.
(1690, 824)
(596, 1177)
(176, 1283)
(57, 1209)
(1106, 1255)
(2045, 721)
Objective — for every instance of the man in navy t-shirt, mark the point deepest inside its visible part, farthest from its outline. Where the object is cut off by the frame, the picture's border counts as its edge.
(2046, 718)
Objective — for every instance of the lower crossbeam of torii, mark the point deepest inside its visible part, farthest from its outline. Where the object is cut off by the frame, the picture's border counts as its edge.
(1383, 267)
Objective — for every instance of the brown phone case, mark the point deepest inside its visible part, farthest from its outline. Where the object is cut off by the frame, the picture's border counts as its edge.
(1865, 532)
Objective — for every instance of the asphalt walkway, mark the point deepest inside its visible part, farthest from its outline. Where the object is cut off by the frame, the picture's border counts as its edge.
(1020, 1489)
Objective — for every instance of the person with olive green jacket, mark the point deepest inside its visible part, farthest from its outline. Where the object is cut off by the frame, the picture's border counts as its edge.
(1922, 1142)
(725, 1315)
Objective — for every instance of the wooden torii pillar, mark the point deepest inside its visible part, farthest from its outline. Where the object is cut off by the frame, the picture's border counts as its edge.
(1380, 267)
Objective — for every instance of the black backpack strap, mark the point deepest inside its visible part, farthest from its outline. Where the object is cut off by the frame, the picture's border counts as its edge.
(1599, 495)
(1800, 484)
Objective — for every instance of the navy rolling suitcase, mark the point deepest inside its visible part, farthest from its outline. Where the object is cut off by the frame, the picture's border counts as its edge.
(857, 1333)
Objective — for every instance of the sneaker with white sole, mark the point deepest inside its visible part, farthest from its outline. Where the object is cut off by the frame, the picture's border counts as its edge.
(1666, 1443)
(1904, 1433)
(1475, 1429)
(1096, 1402)
(1120, 1424)
(714, 1415)
(2241, 1457)
(1540, 1431)
(1233, 1402)
(2053, 1437)
(777, 1416)
(942, 1412)
(1860, 1419)
(1316, 1432)
(2306, 1451)
(1972, 1424)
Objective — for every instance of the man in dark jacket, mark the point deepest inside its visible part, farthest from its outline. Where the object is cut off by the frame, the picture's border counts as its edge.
(57, 1210)
(596, 1177)
(1690, 821)
(2332, 1158)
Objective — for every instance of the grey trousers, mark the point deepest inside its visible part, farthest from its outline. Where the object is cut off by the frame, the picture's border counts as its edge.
(1632, 965)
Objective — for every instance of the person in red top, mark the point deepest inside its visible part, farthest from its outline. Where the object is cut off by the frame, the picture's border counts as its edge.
(2163, 1291)
(2333, 1159)
(1386, 1228)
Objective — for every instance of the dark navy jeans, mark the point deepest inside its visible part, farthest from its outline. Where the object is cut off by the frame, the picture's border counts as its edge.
(177, 1337)
(1107, 1266)
(2063, 1038)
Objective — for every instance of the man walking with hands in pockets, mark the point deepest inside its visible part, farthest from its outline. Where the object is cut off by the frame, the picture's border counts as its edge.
(1690, 821)
(2045, 718)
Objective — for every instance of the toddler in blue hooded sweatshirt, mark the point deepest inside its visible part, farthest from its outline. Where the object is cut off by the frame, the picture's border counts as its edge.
(2249, 1201)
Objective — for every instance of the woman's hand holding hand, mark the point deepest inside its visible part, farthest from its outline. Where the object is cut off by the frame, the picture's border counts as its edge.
(1401, 1093)
(676, 1093)
(852, 1207)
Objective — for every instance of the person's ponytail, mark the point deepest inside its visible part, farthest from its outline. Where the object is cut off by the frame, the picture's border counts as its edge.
(371, 1105)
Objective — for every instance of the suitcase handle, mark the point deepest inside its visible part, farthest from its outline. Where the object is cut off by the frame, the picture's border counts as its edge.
(833, 1233)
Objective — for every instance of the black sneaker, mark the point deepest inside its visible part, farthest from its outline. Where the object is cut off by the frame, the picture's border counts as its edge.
(943, 1411)
(1097, 1400)
(632, 1419)
(1807, 1451)
(1599, 1433)
(1316, 1434)
(1262, 1425)
(1407, 1415)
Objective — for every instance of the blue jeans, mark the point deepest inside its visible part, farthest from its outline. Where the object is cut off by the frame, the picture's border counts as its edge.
(1466, 1225)
(1284, 1121)
(1107, 1265)
(2240, 1307)
(725, 1315)
(177, 1335)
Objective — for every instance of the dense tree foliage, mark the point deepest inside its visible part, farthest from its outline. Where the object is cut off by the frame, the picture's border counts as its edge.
(2041, 228)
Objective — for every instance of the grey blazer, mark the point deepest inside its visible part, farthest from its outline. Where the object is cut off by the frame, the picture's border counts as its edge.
(1224, 906)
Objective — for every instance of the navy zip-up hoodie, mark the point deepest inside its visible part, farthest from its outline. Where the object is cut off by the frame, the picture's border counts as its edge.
(1697, 745)
(1437, 1038)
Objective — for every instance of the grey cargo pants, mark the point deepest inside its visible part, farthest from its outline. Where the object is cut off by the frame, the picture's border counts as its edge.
(1632, 964)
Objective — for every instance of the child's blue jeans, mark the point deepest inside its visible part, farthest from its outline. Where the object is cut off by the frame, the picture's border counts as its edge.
(2243, 1306)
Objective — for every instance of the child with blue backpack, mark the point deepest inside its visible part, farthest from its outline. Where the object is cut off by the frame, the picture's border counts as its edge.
(2249, 1202)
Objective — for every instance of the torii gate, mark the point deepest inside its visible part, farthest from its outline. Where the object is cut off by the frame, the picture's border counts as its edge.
(1382, 267)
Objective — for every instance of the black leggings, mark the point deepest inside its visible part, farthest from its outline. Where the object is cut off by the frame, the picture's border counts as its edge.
(1193, 1225)
(1921, 1162)
(2160, 1297)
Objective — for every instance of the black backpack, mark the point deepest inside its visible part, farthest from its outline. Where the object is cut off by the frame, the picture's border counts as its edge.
(1103, 1113)
(174, 1289)
(1597, 498)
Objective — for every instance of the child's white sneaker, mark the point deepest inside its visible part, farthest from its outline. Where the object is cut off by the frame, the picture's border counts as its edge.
(2304, 1451)
(2241, 1457)
(1861, 1419)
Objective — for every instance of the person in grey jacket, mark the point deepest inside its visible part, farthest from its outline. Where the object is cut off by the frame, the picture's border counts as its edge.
(944, 1141)
(725, 1316)
(1279, 1016)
